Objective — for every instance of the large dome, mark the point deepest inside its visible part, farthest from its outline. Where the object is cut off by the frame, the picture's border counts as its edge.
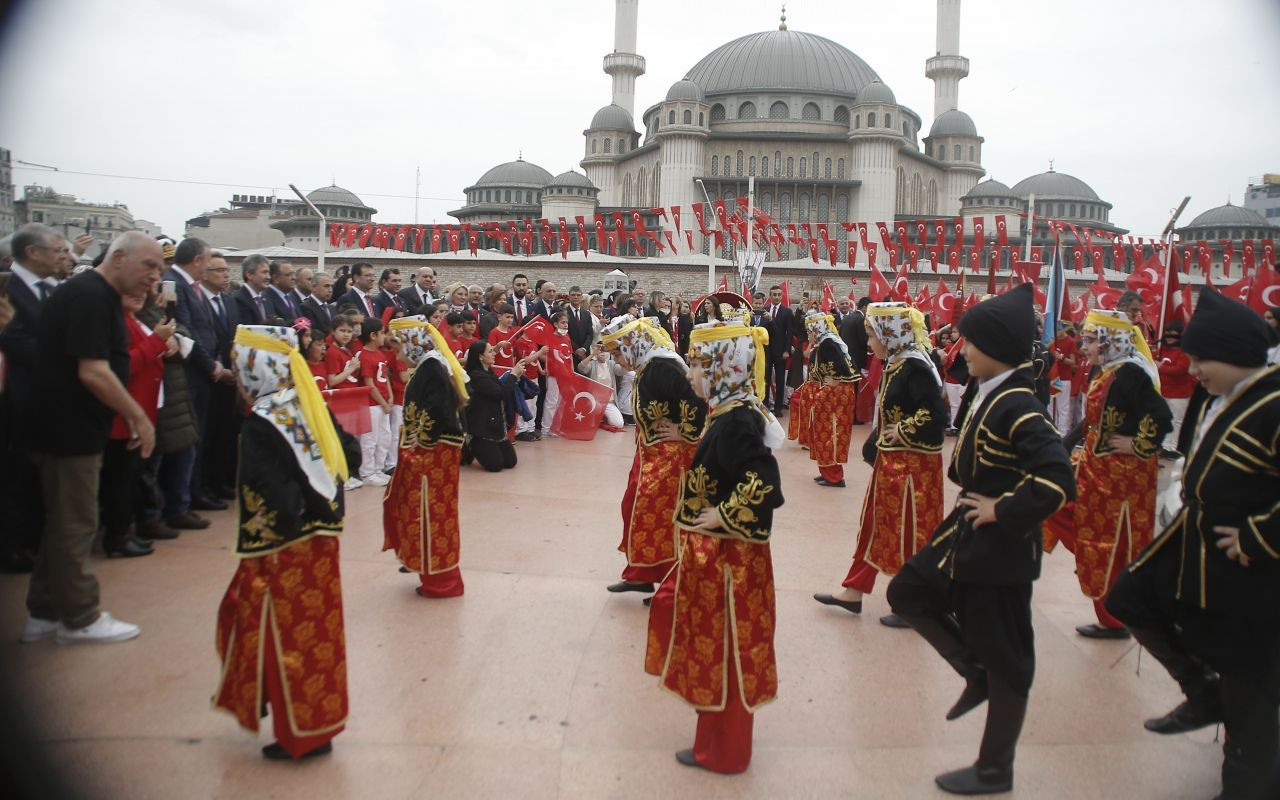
(1229, 216)
(336, 196)
(572, 179)
(516, 173)
(782, 60)
(1055, 185)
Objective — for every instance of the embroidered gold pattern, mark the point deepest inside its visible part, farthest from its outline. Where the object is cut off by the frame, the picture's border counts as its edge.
(739, 510)
(417, 426)
(688, 415)
(260, 526)
(698, 490)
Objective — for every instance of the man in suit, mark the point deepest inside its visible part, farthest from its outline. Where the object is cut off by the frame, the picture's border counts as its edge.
(545, 305)
(250, 305)
(388, 295)
(758, 310)
(581, 331)
(316, 307)
(36, 257)
(361, 293)
(782, 329)
(520, 299)
(280, 298)
(421, 292)
(223, 425)
(844, 307)
(853, 332)
(302, 288)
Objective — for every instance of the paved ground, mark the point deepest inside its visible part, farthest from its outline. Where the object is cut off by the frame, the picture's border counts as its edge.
(532, 686)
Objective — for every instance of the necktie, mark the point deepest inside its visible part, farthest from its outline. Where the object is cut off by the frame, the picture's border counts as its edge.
(293, 305)
(42, 289)
(262, 311)
(369, 305)
(217, 306)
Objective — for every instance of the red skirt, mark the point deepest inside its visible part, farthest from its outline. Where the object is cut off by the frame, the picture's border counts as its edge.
(649, 507)
(420, 509)
(831, 423)
(798, 414)
(901, 510)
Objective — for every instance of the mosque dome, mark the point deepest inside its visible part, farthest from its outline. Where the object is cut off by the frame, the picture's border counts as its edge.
(572, 179)
(612, 118)
(990, 188)
(1229, 216)
(515, 173)
(336, 196)
(685, 89)
(953, 123)
(877, 92)
(782, 60)
(1055, 185)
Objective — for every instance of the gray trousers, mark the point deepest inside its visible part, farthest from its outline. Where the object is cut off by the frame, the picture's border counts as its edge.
(63, 586)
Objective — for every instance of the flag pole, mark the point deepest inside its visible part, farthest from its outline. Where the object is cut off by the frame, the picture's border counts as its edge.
(751, 204)
(1031, 226)
(1168, 262)
(711, 250)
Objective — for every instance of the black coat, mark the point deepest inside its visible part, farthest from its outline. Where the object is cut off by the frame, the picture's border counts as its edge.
(246, 309)
(662, 392)
(431, 414)
(581, 331)
(320, 314)
(382, 300)
(1132, 407)
(18, 343)
(1009, 450)
(910, 399)
(278, 306)
(193, 312)
(853, 330)
(782, 329)
(224, 328)
(486, 417)
(409, 297)
(353, 299)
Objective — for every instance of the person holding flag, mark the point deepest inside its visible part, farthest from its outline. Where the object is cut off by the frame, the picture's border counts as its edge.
(669, 418)
(1117, 471)
(903, 504)
(420, 509)
(280, 632)
(832, 399)
(719, 655)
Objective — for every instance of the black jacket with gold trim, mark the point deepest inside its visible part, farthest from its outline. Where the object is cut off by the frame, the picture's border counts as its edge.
(431, 413)
(829, 362)
(734, 471)
(1042, 370)
(1231, 480)
(1132, 407)
(1008, 450)
(911, 400)
(662, 392)
(277, 506)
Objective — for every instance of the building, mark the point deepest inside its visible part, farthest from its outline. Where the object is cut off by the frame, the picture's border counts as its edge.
(1264, 197)
(256, 221)
(148, 227)
(72, 217)
(8, 215)
(1224, 229)
(302, 229)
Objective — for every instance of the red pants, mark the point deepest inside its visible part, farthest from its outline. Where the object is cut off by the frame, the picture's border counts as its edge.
(653, 574)
(833, 473)
(861, 577)
(296, 746)
(723, 740)
(444, 584)
(1068, 538)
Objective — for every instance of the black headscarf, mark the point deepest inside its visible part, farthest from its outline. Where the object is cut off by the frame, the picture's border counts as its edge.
(474, 353)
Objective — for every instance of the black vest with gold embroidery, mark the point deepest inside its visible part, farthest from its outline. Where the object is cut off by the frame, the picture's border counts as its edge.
(829, 362)
(910, 401)
(662, 392)
(431, 414)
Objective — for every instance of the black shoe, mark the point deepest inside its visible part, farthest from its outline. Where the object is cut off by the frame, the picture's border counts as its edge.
(818, 479)
(527, 436)
(225, 493)
(894, 621)
(976, 780)
(627, 586)
(836, 484)
(187, 522)
(975, 694)
(852, 606)
(155, 529)
(1095, 631)
(1169, 454)
(128, 547)
(648, 601)
(16, 563)
(275, 752)
(405, 569)
(686, 758)
(1191, 715)
(952, 431)
(207, 503)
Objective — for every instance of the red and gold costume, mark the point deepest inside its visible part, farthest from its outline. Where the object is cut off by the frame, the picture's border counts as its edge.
(1113, 516)
(280, 633)
(903, 504)
(830, 407)
(420, 509)
(798, 418)
(713, 644)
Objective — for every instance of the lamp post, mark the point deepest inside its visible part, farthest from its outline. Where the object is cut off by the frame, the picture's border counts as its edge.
(711, 250)
(320, 238)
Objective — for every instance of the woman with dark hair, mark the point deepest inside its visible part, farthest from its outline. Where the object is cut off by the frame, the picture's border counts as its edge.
(708, 311)
(486, 417)
(341, 281)
(1272, 318)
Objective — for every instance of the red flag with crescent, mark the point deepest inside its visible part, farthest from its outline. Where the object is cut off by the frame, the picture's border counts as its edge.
(934, 254)
(862, 234)
(957, 231)
(939, 232)
(884, 234)
(922, 232)
(901, 287)
(851, 253)
(880, 288)
(1264, 290)
(871, 248)
(1228, 253)
(828, 297)
(582, 405)
(922, 300)
(1002, 231)
(1269, 252)
(979, 232)
(336, 230)
(1247, 252)
(699, 216)
(900, 228)
(943, 302)
(675, 218)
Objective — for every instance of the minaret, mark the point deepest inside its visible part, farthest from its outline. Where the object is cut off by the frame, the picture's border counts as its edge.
(947, 67)
(623, 65)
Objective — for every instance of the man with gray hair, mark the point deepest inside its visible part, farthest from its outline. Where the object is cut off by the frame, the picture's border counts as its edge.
(82, 370)
(421, 292)
(251, 306)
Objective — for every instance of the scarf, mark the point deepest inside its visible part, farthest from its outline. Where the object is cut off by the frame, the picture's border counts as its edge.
(422, 342)
(640, 340)
(901, 328)
(735, 371)
(823, 327)
(1120, 341)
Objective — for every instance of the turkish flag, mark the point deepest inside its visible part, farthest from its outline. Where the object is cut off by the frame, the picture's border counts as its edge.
(893, 258)
(953, 259)
(853, 253)
(786, 293)
(974, 263)
(700, 217)
(724, 284)
(884, 234)
(939, 232)
(336, 230)
(582, 405)
(923, 300)
(1096, 253)
(1002, 231)
(957, 230)
(862, 234)
(943, 302)
(1269, 252)
(1264, 291)
(934, 254)
(1104, 294)
(880, 288)
(1228, 252)
(1077, 258)
(1247, 252)
(1204, 256)
(1117, 255)
(1079, 307)
(828, 297)
(833, 253)
(871, 248)
(901, 288)
(454, 237)
(979, 228)
(922, 232)
(537, 330)
(675, 217)
(1238, 290)
(901, 229)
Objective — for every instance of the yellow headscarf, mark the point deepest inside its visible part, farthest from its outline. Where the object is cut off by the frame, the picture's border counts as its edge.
(406, 329)
(1119, 340)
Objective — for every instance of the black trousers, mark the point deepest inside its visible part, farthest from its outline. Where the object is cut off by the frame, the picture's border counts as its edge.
(778, 379)
(21, 503)
(1241, 645)
(493, 456)
(118, 488)
(198, 385)
(542, 400)
(989, 625)
(223, 427)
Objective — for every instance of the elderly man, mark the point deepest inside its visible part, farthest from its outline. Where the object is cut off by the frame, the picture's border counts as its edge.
(302, 288)
(280, 299)
(421, 292)
(81, 374)
(475, 297)
(36, 252)
(250, 305)
(317, 308)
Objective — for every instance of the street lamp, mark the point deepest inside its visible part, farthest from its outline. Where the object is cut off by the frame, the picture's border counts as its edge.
(711, 250)
(320, 238)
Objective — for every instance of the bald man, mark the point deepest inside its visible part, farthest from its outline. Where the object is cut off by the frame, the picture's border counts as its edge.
(81, 374)
(421, 292)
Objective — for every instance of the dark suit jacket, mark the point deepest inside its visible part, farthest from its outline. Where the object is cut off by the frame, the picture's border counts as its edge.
(539, 309)
(224, 328)
(382, 300)
(409, 296)
(320, 314)
(18, 342)
(782, 329)
(581, 331)
(351, 298)
(853, 330)
(277, 306)
(486, 323)
(246, 309)
(193, 311)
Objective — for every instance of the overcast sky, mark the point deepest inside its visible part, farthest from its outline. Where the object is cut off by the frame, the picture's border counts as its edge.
(1145, 100)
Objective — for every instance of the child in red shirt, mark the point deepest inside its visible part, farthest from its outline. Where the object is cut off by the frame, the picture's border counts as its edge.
(398, 373)
(373, 374)
(340, 359)
(316, 361)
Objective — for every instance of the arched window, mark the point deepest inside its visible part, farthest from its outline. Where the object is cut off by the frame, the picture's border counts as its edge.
(626, 190)
(715, 166)
(840, 169)
(857, 121)
(751, 166)
(888, 120)
(777, 163)
(917, 194)
(906, 130)
(791, 162)
(900, 199)
(871, 120)
(803, 169)
(717, 113)
(528, 198)
(507, 196)
(814, 162)
(739, 163)
(842, 212)
(779, 110)
(642, 188)
(764, 166)
(826, 168)
(593, 147)
(784, 206)
(957, 152)
(671, 117)
(701, 119)
(747, 110)
(802, 207)
(608, 145)
(811, 111)
(622, 145)
(842, 115)
(972, 153)
(824, 207)
(766, 203)
(657, 183)
(688, 117)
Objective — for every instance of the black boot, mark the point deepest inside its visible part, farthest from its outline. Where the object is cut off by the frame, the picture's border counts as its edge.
(993, 772)
(1250, 767)
(943, 633)
(1203, 706)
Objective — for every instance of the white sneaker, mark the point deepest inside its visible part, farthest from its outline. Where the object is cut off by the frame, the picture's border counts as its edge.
(38, 629)
(353, 483)
(105, 628)
(377, 479)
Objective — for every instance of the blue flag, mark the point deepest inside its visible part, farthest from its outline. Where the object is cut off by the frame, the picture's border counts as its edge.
(1054, 297)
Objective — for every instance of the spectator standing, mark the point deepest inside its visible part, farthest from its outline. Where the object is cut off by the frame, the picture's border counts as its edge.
(222, 425)
(317, 307)
(421, 292)
(360, 294)
(251, 306)
(388, 295)
(281, 301)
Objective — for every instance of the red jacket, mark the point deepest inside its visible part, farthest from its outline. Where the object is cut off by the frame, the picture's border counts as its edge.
(1176, 382)
(146, 374)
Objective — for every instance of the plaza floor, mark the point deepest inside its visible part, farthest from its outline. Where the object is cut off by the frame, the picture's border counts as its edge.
(532, 684)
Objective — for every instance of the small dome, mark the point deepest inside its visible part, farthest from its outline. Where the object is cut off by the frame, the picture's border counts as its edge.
(953, 123)
(572, 179)
(1055, 185)
(612, 118)
(685, 89)
(876, 92)
(1230, 216)
(990, 188)
(516, 173)
(335, 195)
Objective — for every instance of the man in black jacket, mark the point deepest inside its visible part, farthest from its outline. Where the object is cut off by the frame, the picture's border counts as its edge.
(251, 306)
(781, 323)
(317, 308)
(388, 295)
(581, 331)
(281, 301)
(853, 332)
(419, 293)
(223, 420)
(361, 293)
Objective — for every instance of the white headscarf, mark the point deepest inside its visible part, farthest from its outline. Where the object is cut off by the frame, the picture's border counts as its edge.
(736, 369)
(639, 340)
(901, 328)
(823, 326)
(422, 342)
(1120, 341)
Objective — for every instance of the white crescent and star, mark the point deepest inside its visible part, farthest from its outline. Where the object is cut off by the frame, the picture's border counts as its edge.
(577, 415)
(1270, 296)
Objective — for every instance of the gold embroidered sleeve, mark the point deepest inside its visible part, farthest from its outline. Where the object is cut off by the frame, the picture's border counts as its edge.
(1146, 442)
(259, 522)
(743, 512)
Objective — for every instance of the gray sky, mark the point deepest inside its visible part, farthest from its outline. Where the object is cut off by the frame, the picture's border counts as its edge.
(1145, 100)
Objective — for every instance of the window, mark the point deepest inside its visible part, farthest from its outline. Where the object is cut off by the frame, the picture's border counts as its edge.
(779, 110)
(688, 117)
(764, 166)
(803, 171)
(777, 163)
(840, 169)
(1071, 210)
(671, 117)
(972, 153)
(791, 162)
(717, 113)
(739, 163)
(622, 145)
(766, 203)
(37, 216)
(657, 172)
(815, 165)
(802, 207)
(842, 212)
(957, 152)
(900, 195)
(871, 120)
(888, 120)
(826, 168)
(751, 166)
(507, 198)
(528, 198)
(811, 112)
(784, 206)
(608, 145)
(857, 121)
(842, 115)
(824, 207)
(700, 119)
(917, 194)
(715, 166)
(593, 147)
(747, 110)
(641, 188)
(906, 130)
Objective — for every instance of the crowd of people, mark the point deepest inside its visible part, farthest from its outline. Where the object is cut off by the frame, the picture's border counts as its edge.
(144, 388)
